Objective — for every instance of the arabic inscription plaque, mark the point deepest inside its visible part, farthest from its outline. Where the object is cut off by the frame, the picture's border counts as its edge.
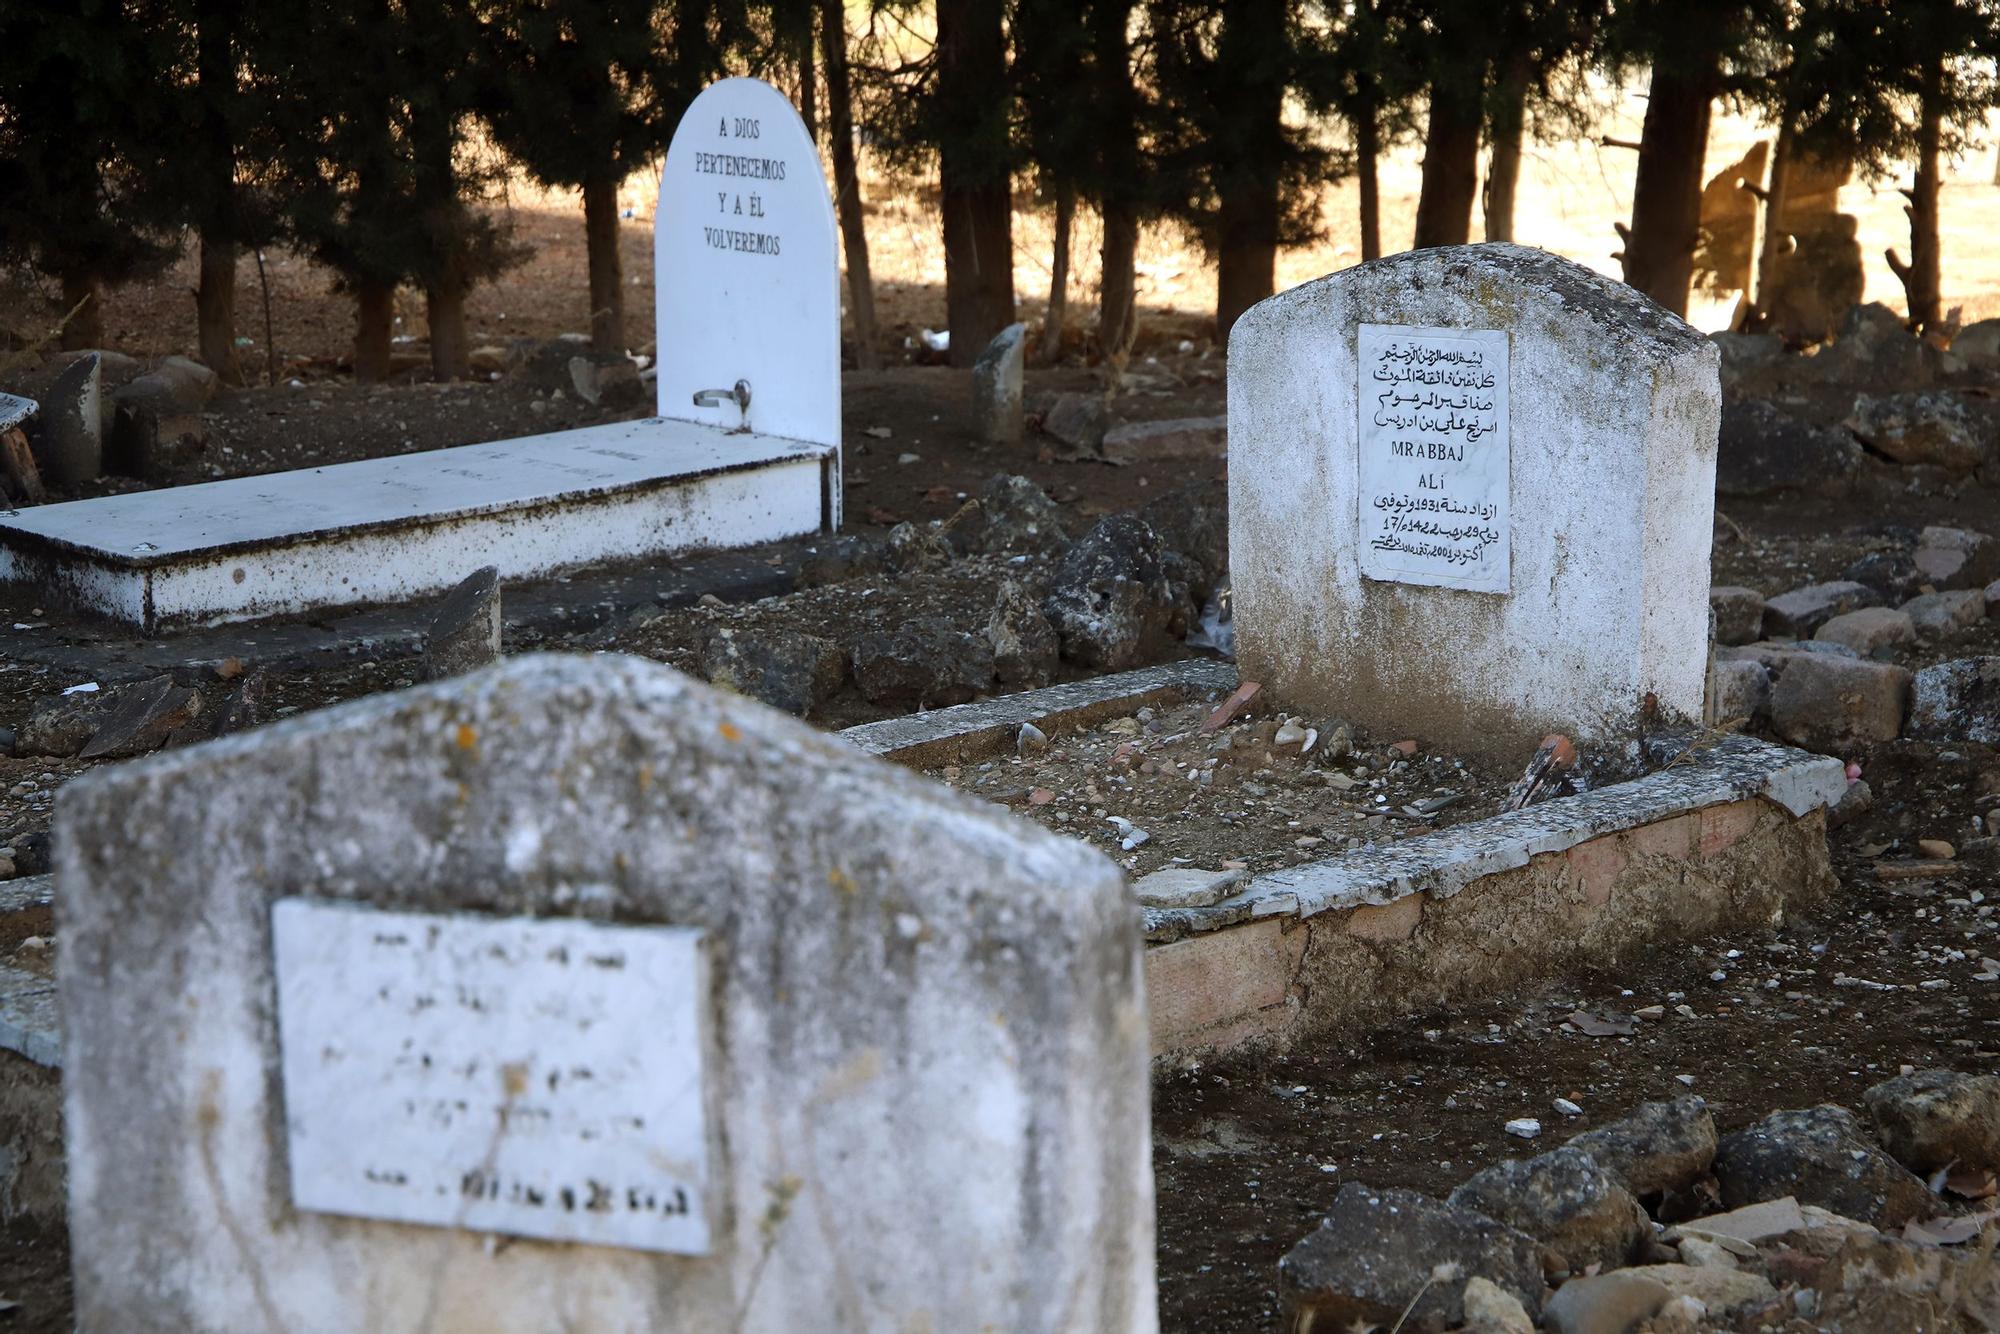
(1434, 457)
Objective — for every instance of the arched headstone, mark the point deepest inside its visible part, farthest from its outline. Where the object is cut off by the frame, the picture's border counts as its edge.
(746, 270)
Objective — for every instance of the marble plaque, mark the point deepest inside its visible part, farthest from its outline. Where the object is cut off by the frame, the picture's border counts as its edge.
(1434, 454)
(540, 1077)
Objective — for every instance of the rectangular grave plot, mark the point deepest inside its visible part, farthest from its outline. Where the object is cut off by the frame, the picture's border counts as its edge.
(1434, 458)
(536, 1077)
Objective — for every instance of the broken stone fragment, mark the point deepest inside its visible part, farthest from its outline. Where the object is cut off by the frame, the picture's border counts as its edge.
(1935, 615)
(68, 441)
(1380, 1256)
(1934, 428)
(1491, 1309)
(1025, 646)
(925, 661)
(1658, 1147)
(1186, 887)
(1565, 1200)
(1612, 1303)
(1798, 613)
(997, 385)
(1869, 631)
(1957, 701)
(1833, 704)
(1934, 1118)
(1739, 614)
(1891, 573)
(1179, 438)
(910, 549)
(1114, 599)
(792, 672)
(1078, 420)
(465, 634)
(1742, 690)
(1820, 1155)
(141, 718)
(1956, 558)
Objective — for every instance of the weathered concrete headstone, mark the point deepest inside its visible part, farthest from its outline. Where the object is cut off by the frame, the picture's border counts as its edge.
(69, 446)
(719, 1022)
(996, 387)
(465, 634)
(1471, 494)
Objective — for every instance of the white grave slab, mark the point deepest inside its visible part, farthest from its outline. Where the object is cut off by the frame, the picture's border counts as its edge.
(1588, 494)
(745, 255)
(1433, 456)
(481, 1073)
(380, 530)
(746, 290)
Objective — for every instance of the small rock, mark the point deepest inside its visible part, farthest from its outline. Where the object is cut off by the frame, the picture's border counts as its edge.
(924, 661)
(1193, 524)
(1660, 1146)
(1379, 1254)
(1762, 450)
(1025, 645)
(1605, 1303)
(1927, 428)
(1524, 1127)
(1031, 740)
(465, 634)
(1567, 1108)
(1933, 1118)
(1869, 631)
(1186, 887)
(140, 718)
(1491, 1309)
(1819, 1155)
(996, 387)
(1078, 420)
(1797, 614)
(1891, 574)
(1703, 1254)
(1752, 1223)
(1957, 701)
(1717, 1289)
(1739, 614)
(1857, 801)
(1937, 849)
(1742, 690)
(1833, 705)
(1935, 615)
(1565, 1200)
(837, 559)
(1113, 599)
(910, 549)
(786, 669)
(1015, 515)
(1956, 558)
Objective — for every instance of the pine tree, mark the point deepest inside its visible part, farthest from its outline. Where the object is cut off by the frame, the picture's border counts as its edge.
(80, 84)
(584, 92)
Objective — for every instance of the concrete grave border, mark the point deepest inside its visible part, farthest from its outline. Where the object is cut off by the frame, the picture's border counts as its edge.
(1728, 836)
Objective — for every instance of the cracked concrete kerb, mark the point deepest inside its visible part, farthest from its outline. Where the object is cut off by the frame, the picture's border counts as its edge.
(927, 1069)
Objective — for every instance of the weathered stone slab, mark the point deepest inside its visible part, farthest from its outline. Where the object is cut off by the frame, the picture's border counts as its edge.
(927, 1040)
(997, 385)
(1610, 418)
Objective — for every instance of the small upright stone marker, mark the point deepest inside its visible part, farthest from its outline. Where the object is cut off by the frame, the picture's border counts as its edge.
(996, 387)
(1471, 491)
(722, 1024)
(465, 634)
(69, 447)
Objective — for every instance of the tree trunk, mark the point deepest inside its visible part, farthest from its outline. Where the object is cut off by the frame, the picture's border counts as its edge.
(444, 312)
(976, 194)
(808, 79)
(607, 267)
(215, 298)
(215, 309)
(1503, 172)
(1775, 198)
(1119, 181)
(374, 322)
(1052, 328)
(847, 185)
(1666, 187)
(1451, 165)
(1920, 276)
(83, 305)
(1367, 152)
(1253, 147)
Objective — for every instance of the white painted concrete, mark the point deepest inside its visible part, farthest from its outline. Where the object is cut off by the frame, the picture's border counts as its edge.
(480, 1072)
(745, 267)
(1614, 408)
(929, 1066)
(380, 530)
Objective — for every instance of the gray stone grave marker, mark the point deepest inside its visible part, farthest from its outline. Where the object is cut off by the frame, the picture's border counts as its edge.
(1471, 493)
(573, 994)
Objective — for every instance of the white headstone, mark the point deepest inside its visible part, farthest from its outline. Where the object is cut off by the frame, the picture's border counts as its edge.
(1471, 492)
(573, 994)
(745, 268)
